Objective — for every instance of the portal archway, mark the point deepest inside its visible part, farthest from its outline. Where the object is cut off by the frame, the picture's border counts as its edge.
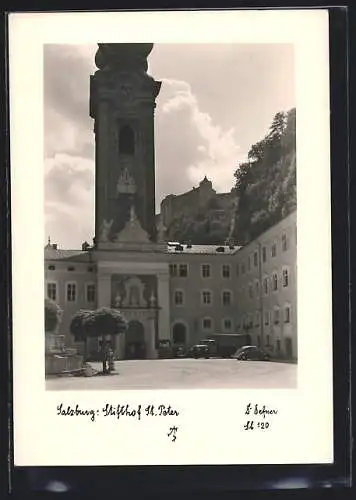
(135, 346)
(179, 333)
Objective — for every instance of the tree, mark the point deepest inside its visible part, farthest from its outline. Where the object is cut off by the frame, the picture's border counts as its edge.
(105, 322)
(79, 328)
(53, 315)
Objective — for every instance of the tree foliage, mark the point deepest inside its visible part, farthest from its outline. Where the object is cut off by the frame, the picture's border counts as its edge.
(105, 321)
(266, 184)
(100, 322)
(53, 315)
(265, 190)
(78, 325)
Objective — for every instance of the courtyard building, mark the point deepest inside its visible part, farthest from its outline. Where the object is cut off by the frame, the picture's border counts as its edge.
(166, 291)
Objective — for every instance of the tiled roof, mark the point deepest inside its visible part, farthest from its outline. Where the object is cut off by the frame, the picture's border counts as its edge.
(59, 254)
(203, 249)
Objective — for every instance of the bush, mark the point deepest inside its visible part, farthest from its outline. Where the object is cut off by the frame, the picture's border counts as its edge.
(53, 315)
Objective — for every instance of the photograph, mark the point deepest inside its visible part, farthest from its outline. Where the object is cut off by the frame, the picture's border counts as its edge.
(171, 238)
(170, 197)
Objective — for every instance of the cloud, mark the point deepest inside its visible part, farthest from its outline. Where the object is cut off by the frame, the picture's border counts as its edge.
(198, 146)
(67, 124)
(69, 199)
(213, 99)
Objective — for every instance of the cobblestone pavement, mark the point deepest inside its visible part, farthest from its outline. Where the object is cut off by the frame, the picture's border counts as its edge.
(184, 374)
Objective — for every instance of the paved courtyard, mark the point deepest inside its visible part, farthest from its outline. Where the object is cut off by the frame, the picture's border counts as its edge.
(185, 374)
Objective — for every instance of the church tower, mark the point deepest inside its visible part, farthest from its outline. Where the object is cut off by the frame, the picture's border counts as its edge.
(122, 103)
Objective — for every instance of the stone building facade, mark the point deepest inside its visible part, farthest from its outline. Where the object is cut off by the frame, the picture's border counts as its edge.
(166, 291)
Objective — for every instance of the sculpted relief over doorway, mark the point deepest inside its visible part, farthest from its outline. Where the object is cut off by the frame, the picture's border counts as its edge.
(134, 291)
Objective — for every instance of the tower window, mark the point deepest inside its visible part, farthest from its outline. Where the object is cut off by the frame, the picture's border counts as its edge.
(126, 141)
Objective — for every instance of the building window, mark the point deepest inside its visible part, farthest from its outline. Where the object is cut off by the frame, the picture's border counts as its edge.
(264, 254)
(226, 271)
(287, 314)
(71, 268)
(237, 269)
(205, 271)
(207, 324)
(285, 277)
(284, 242)
(226, 298)
(71, 292)
(274, 250)
(255, 259)
(257, 319)
(183, 270)
(268, 340)
(126, 141)
(51, 268)
(206, 297)
(52, 291)
(250, 290)
(249, 263)
(178, 297)
(276, 317)
(275, 281)
(278, 346)
(90, 293)
(173, 270)
(266, 318)
(265, 286)
(90, 269)
(243, 268)
(227, 324)
(257, 288)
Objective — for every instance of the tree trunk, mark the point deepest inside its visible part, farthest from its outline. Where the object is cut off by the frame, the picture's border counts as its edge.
(85, 349)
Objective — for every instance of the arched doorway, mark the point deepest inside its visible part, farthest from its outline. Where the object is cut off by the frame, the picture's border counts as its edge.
(135, 347)
(179, 334)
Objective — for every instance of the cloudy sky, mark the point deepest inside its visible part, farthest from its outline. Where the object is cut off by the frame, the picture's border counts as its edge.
(215, 102)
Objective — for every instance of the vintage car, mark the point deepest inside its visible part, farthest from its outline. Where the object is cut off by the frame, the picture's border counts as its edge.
(199, 351)
(251, 353)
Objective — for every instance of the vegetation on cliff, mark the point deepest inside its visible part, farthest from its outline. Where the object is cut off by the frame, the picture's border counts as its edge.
(265, 191)
(266, 184)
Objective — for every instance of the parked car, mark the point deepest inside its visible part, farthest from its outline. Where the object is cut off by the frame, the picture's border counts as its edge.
(199, 351)
(251, 353)
(179, 351)
(211, 345)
